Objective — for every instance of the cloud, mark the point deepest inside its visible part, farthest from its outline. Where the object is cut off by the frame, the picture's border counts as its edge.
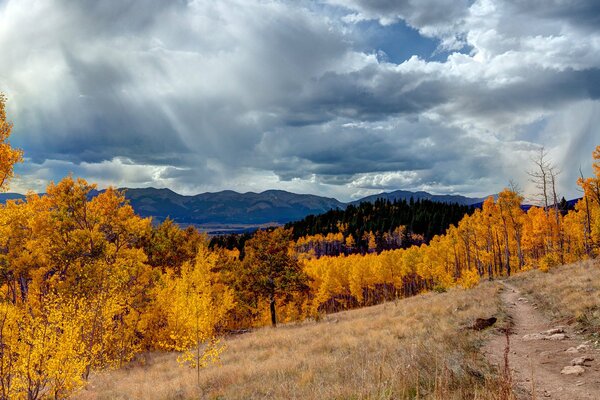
(432, 18)
(251, 95)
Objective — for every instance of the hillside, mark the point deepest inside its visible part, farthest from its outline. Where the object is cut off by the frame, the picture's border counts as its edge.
(4, 197)
(410, 348)
(420, 221)
(383, 351)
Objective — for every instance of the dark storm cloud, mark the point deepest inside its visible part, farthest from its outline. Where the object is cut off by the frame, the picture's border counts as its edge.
(249, 95)
(370, 94)
(418, 13)
(340, 152)
(578, 13)
(138, 91)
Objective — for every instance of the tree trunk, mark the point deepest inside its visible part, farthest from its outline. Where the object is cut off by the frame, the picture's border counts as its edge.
(273, 312)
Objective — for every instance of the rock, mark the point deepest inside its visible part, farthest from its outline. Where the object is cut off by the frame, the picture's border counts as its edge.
(583, 347)
(482, 323)
(521, 299)
(556, 336)
(573, 370)
(581, 360)
(547, 335)
(534, 336)
(554, 331)
(571, 350)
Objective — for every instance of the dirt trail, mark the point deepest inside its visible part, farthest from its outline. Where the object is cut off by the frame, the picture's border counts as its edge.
(537, 355)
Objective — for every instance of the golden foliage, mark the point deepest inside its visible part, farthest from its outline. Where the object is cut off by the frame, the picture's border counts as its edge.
(8, 156)
(190, 308)
(77, 290)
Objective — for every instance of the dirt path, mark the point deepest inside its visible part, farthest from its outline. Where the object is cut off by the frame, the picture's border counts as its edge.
(540, 350)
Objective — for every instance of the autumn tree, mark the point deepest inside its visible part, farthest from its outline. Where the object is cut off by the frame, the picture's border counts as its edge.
(271, 270)
(87, 254)
(591, 204)
(8, 156)
(169, 246)
(190, 308)
(509, 203)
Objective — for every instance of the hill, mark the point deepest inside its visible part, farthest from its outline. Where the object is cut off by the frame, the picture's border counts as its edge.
(4, 197)
(420, 221)
(411, 348)
(420, 195)
(228, 207)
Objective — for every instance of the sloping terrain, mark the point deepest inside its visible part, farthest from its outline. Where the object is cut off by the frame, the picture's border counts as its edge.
(421, 347)
(414, 348)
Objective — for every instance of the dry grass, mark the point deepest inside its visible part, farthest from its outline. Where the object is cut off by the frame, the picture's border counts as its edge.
(569, 293)
(413, 348)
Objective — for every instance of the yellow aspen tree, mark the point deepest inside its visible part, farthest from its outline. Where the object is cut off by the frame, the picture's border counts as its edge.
(328, 288)
(469, 278)
(591, 189)
(575, 240)
(358, 275)
(193, 306)
(350, 243)
(8, 156)
(50, 360)
(509, 203)
(10, 315)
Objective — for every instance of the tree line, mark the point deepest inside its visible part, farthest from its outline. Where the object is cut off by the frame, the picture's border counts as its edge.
(365, 228)
(421, 220)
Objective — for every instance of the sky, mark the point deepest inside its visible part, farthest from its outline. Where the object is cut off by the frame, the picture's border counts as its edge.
(340, 98)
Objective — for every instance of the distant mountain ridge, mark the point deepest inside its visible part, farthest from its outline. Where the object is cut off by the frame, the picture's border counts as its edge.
(4, 197)
(229, 207)
(420, 195)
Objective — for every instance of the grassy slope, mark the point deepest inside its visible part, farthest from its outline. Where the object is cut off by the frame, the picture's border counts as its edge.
(567, 294)
(379, 352)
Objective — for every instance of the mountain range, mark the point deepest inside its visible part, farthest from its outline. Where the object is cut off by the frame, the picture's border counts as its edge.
(407, 195)
(233, 211)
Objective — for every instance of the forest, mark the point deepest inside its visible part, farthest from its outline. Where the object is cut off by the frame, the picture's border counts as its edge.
(424, 217)
(86, 284)
(364, 228)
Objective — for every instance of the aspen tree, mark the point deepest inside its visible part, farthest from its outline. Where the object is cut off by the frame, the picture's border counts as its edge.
(8, 156)
(193, 306)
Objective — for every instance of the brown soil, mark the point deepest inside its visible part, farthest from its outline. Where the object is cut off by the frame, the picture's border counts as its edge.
(536, 364)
